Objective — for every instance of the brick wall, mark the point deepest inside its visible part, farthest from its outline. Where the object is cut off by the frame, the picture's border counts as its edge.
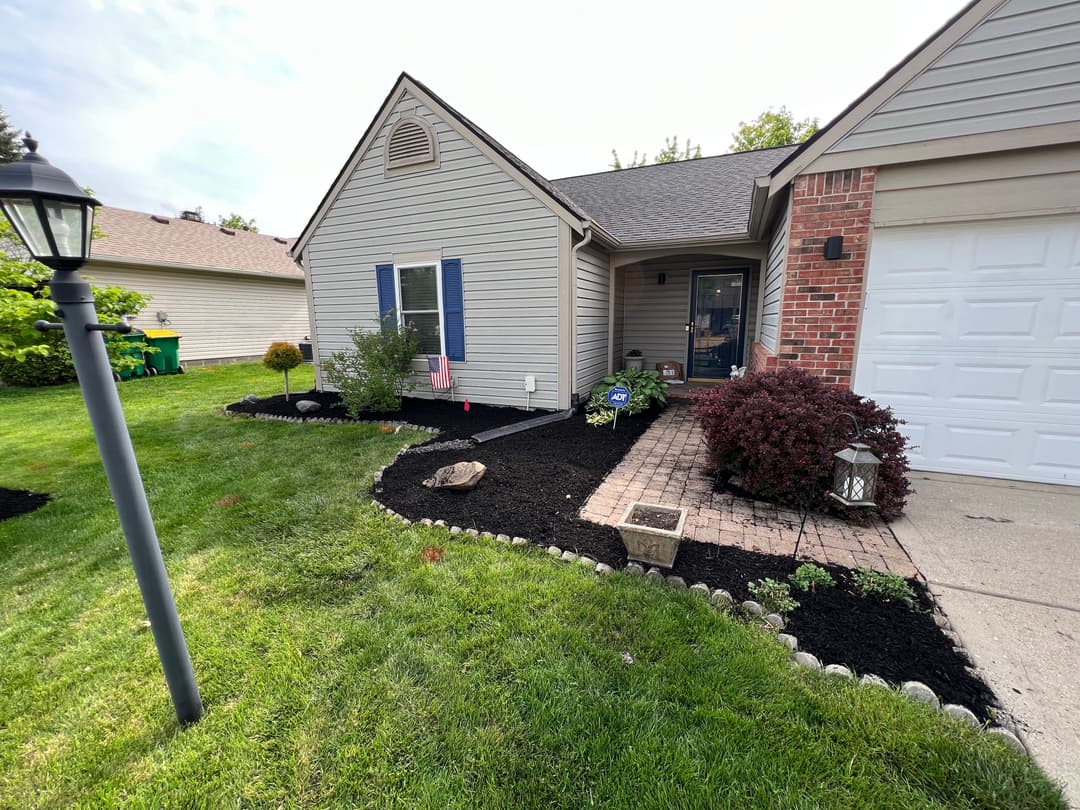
(822, 298)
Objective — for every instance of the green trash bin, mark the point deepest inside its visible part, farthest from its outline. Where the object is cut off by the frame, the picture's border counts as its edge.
(135, 352)
(166, 360)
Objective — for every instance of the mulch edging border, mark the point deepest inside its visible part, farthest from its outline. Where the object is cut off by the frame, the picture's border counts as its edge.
(319, 420)
(721, 600)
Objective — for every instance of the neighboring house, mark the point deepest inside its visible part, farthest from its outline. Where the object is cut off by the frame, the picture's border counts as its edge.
(229, 293)
(954, 183)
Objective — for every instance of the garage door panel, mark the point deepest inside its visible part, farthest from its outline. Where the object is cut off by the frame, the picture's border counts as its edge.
(971, 333)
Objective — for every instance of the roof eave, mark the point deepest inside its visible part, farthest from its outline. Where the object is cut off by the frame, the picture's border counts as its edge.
(190, 268)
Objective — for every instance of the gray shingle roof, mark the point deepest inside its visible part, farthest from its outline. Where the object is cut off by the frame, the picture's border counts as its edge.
(690, 199)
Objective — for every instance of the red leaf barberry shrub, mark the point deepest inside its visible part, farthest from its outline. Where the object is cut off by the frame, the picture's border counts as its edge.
(769, 429)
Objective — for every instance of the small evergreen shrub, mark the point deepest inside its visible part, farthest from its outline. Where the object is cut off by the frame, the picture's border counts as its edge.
(283, 356)
(769, 429)
(810, 577)
(375, 375)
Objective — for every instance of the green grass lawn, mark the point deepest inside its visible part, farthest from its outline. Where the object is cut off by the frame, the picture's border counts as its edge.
(339, 669)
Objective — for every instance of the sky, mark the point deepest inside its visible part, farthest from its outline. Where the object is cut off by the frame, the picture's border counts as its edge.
(253, 107)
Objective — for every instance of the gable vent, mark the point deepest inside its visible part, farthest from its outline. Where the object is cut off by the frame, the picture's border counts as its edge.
(411, 142)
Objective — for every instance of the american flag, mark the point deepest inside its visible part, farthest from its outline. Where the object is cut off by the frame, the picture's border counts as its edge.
(439, 371)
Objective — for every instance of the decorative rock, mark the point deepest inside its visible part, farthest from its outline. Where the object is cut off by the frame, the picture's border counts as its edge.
(678, 583)
(554, 551)
(874, 680)
(920, 693)
(472, 532)
(464, 475)
(721, 598)
(455, 530)
(1008, 738)
(655, 574)
(519, 541)
(427, 521)
(569, 556)
(805, 659)
(839, 671)
(440, 522)
(502, 538)
(406, 521)
(487, 535)
(308, 406)
(961, 713)
(250, 399)
(588, 562)
(753, 608)
(634, 569)
(776, 620)
(604, 569)
(700, 589)
(788, 641)
(941, 621)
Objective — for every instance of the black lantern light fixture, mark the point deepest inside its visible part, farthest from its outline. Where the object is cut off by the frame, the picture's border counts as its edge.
(855, 473)
(55, 220)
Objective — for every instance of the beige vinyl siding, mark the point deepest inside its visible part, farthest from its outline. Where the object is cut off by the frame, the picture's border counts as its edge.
(467, 208)
(618, 348)
(774, 283)
(1018, 68)
(593, 289)
(221, 316)
(1042, 181)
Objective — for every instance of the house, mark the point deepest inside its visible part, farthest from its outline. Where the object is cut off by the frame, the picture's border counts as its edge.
(229, 293)
(923, 248)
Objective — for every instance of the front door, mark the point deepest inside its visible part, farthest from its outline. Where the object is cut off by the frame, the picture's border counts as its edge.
(717, 323)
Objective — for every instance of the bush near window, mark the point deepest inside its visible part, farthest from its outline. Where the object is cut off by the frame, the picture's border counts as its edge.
(769, 429)
(377, 373)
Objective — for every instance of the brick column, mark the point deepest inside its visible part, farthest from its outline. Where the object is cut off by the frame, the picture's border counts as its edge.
(822, 299)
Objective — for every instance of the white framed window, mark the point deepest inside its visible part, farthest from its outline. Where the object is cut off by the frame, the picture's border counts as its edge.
(419, 297)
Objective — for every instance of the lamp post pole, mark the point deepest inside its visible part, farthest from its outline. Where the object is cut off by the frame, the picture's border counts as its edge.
(54, 218)
(75, 305)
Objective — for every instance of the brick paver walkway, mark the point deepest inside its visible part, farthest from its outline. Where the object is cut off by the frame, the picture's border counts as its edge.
(667, 466)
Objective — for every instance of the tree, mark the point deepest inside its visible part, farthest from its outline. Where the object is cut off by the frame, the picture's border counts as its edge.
(11, 148)
(30, 357)
(772, 129)
(669, 154)
(236, 223)
(283, 356)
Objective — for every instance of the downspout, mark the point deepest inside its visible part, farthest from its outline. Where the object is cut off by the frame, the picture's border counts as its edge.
(587, 227)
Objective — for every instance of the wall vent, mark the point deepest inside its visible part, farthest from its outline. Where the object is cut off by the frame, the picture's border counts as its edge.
(411, 142)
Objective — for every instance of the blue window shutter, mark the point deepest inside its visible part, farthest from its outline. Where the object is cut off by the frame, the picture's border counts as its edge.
(384, 281)
(453, 309)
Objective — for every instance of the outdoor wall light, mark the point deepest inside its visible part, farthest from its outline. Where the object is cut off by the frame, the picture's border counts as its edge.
(855, 472)
(54, 219)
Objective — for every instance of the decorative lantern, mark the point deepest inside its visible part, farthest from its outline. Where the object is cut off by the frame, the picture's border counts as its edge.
(855, 475)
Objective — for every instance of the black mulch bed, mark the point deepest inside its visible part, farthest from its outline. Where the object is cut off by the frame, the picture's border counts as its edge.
(525, 493)
(450, 417)
(15, 502)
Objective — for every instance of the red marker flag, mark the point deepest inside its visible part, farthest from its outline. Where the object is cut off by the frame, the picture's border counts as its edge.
(467, 406)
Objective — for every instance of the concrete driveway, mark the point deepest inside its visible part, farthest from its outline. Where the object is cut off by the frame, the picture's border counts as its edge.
(1004, 558)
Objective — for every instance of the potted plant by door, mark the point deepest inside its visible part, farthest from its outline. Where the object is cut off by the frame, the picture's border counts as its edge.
(635, 360)
(652, 533)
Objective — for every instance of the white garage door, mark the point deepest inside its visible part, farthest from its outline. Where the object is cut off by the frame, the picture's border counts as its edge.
(971, 332)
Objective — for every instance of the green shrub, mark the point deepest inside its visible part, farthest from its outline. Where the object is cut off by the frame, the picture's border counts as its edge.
(889, 587)
(645, 387)
(774, 596)
(377, 373)
(283, 356)
(810, 577)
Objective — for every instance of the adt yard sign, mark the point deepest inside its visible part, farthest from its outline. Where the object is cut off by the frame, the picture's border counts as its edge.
(618, 397)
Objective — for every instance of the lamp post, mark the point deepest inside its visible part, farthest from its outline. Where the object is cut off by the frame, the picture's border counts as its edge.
(855, 470)
(54, 218)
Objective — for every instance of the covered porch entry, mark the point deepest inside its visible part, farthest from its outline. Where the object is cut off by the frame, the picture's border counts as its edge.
(699, 310)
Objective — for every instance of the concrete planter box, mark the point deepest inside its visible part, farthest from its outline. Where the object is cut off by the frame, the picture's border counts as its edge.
(635, 362)
(646, 544)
